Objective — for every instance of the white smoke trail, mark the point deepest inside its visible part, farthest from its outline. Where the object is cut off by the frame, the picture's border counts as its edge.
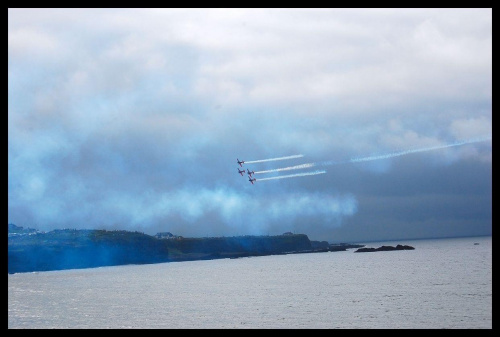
(357, 160)
(274, 159)
(382, 156)
(405, 152)
(294, 175)
(297, 167)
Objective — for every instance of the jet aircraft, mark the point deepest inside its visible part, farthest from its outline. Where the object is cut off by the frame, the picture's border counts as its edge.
(241, 172)
(251, 180)
(249, 172)
(240, 162)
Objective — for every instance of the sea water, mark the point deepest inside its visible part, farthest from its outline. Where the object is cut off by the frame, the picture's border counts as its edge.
(443, 283)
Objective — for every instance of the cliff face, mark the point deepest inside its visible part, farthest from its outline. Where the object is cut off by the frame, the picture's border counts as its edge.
(74, 249)
(186, 248)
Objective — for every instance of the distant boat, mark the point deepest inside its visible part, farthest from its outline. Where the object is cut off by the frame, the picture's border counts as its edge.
(476, 243)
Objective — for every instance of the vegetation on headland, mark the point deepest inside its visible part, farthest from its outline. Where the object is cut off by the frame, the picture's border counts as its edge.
(30, 250)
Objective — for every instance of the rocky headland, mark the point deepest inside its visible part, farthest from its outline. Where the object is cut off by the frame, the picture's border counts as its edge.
(32, 250)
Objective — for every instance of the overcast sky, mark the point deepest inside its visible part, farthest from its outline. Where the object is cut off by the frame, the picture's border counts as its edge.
(134, 118)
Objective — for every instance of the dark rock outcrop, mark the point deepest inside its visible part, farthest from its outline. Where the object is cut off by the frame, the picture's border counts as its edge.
(384, 249)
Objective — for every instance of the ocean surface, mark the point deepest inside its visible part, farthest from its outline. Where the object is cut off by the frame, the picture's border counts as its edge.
(443, 283)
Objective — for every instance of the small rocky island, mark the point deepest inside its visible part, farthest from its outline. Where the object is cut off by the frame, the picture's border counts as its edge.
(384, 249)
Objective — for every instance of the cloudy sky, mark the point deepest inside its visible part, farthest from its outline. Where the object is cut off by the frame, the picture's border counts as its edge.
(134, 118)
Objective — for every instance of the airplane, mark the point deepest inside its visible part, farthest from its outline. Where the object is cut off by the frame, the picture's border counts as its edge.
(240, 162)
(249, 172)
(251, 180)
(241, 172)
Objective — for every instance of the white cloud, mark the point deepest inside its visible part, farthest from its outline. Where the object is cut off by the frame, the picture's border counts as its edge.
(466, 128)
(33, 42)
(132, 100)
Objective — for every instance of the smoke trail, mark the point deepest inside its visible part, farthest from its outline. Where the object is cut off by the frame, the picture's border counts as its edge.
(405, 152)
(297, 167)
(294, 175)
(273, 159)
(382, 156)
